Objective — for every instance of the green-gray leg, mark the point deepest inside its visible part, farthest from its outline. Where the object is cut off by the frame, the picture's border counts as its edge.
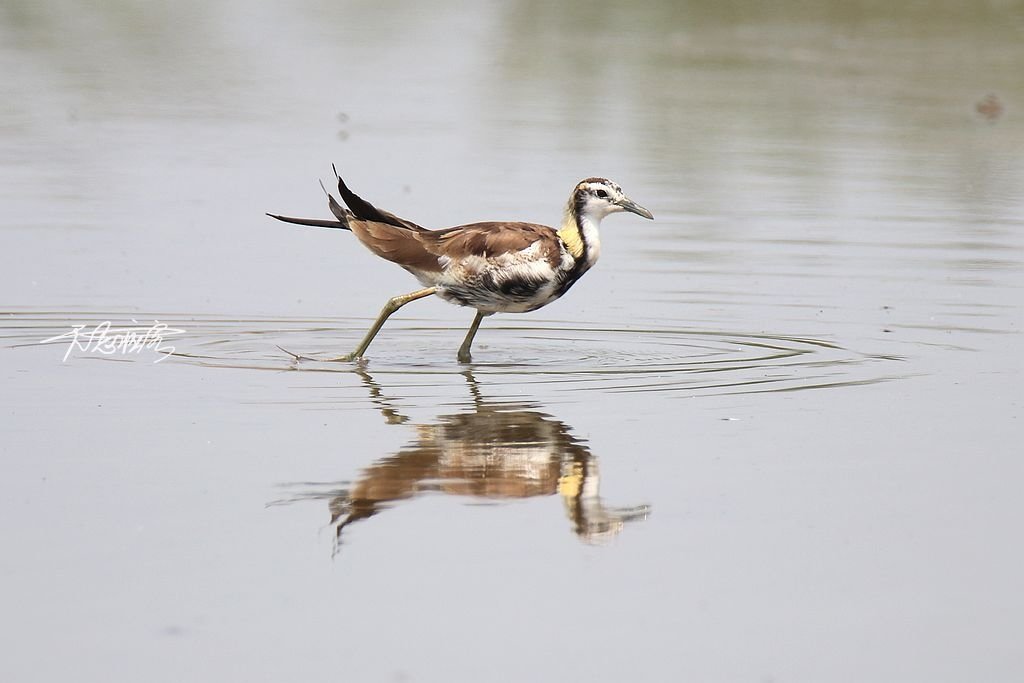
(464, 355)
(393, 304)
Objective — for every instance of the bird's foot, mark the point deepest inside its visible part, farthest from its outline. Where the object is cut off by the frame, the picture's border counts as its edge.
(347, 358)
(465, 356)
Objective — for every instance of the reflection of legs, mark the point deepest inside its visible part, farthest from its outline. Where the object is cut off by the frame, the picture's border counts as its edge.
(393, 304)
(464, 355)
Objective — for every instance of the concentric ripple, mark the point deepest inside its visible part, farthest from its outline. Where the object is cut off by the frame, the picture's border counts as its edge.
(561, 355)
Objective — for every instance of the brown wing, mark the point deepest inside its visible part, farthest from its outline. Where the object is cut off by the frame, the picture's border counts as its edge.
(423, 250)
(403, 246)
(491, 239)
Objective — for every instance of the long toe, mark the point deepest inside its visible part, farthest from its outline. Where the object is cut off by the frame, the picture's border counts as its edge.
(347, 358)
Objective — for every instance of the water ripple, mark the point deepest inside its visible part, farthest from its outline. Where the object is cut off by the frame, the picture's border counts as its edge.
(561, 356)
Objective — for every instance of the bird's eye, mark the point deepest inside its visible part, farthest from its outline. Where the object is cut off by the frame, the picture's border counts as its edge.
(602, 194)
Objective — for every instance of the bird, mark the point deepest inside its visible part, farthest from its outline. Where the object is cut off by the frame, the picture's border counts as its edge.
(492, 266)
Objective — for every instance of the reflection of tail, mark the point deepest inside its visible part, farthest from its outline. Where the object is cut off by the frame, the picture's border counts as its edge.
(344, 511)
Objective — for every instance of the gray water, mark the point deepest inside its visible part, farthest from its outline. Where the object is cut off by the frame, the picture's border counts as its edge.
(773, 436)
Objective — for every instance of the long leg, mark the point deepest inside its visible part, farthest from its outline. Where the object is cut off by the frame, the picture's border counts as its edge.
(393, 304)
(464, 354)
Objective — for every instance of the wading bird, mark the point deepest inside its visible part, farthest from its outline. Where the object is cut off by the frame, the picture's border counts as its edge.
(493, 267)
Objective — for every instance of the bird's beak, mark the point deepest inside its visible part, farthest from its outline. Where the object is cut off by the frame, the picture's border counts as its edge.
(629, 205)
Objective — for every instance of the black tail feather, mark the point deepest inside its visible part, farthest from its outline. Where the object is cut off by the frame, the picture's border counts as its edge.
(358, 209)
(311, 221)
(336, 209)
(340, 213)
(366, 211)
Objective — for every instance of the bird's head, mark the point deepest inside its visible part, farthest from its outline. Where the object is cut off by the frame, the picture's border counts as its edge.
(596, 198)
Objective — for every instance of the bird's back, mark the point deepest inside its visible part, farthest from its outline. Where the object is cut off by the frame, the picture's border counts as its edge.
(490, 266)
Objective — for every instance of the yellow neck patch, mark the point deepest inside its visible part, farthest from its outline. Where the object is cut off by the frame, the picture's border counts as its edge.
(570, 234)
(570, 484)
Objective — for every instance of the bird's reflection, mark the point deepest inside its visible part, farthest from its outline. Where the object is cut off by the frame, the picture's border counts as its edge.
(496, 451)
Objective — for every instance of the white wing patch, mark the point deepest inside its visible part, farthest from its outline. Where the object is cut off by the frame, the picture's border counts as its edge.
(523, 264)
(511, 282)
(537, 271)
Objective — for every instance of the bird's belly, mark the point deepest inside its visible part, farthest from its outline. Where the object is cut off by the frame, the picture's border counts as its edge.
(493, 291)
(507, 297)
(501, 284)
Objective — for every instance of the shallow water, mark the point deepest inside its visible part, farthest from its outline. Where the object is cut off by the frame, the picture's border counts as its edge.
(773, 435)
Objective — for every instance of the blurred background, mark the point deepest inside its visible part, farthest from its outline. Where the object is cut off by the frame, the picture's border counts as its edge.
(143, 133)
